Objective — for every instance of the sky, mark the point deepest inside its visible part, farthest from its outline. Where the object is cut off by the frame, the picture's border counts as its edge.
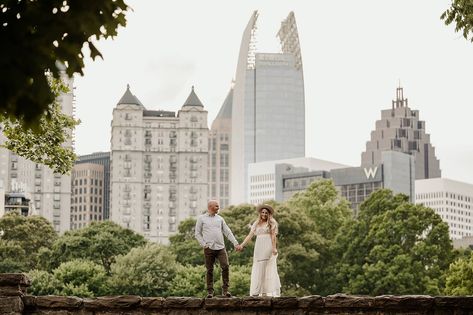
(354, 53)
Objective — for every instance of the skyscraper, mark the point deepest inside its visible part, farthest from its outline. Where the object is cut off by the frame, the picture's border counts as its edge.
(159, 166)
(87, 194)
(220, 136)
(50, 192)
(401, 130)
(101, 158)
(268, 112)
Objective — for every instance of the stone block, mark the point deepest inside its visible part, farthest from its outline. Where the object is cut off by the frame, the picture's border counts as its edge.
(416, 302)
(222, 303)
(183, 302)
(14, 279)
(152, 302)
(452, 302)
(11, 304)
(256, 302)
(285, 302)
(113, 302)
(16, 290)
(312, 301)
(348, 301)
(54, 301)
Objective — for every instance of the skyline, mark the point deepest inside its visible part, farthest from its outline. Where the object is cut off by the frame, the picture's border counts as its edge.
(354, 56)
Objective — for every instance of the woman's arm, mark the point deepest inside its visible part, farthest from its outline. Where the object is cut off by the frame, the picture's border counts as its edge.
(247, 238)
(274, 242)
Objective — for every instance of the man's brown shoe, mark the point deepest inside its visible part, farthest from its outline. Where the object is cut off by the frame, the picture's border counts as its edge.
(209, 295)
(227, 294)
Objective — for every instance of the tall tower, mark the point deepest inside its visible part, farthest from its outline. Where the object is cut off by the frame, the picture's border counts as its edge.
(401, 130)
(159, 166)
(219, 153)
(268, 113)
(50, 192)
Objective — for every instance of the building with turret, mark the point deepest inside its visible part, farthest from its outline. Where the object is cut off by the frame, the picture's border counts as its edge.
(159, 166)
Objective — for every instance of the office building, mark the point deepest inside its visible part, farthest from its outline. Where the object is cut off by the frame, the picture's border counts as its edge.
(400, 129)
(158, 166)
(50, 192)
(220, 136)
(88, 186)
(396, 172)
(100, 158)
(452, 200)
(265, 178)
(268, 108)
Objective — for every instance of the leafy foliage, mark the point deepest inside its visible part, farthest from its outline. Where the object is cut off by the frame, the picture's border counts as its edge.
(184, 245)
(394, 247)
(22, 240)
(460, 13)
(37, 34)
(145, 271)
(79, 277)
(189, 281)
(460, 277)
(44, 145)
(99, 242)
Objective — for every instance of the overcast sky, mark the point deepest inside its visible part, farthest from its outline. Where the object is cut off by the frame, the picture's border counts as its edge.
(354, 54)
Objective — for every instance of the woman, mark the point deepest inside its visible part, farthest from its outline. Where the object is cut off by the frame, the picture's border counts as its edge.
(264, 274)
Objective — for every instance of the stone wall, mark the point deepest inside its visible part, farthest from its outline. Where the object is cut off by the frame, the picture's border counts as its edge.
(14, 301)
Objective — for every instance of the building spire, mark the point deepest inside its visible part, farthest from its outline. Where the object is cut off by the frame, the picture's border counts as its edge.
(400, 101)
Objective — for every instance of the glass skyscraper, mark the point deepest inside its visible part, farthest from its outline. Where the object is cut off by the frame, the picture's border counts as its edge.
(268, 113)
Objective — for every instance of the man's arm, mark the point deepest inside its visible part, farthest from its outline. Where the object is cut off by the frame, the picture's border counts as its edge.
(228, 233)
(198, 231)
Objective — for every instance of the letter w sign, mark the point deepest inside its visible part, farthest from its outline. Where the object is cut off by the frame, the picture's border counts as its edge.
(370, 172)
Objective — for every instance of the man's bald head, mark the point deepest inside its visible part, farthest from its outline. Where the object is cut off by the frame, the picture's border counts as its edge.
(213, 207)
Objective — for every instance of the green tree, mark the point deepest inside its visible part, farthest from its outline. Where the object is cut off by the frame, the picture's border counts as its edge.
(189, 281)
(145, 271)
(81, 278)
(22, 239)
(394, 247)
(76, 277)
(239, 280)
(43, 283)
(314, 218)
(99, 242)
(240, 218)
(184, 245)
(460, 277)
(12, 257)
(44, 145)
(460, 13)
(37, 34)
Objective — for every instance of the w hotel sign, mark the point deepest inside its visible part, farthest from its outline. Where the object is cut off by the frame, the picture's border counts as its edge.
(357, 175)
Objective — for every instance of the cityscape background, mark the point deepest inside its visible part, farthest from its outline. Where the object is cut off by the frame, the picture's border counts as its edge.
(354, 55)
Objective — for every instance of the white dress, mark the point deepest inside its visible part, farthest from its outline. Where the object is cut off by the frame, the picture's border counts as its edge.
(264, 273)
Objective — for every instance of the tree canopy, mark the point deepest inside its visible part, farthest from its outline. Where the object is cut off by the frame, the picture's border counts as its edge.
(99, 242)
(36, 35)
(22, 240)
(394, 247)
(44, 145)
(460, 13)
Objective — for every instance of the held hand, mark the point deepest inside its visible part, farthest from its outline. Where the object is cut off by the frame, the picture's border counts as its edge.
(238, 248)
(275, 251)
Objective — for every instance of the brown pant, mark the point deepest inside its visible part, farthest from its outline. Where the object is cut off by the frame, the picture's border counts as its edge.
(210, 257)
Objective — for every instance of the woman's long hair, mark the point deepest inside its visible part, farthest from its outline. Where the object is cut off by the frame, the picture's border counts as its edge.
(271, 222)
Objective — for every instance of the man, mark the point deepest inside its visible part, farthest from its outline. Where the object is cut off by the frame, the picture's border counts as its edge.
(209, 231)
